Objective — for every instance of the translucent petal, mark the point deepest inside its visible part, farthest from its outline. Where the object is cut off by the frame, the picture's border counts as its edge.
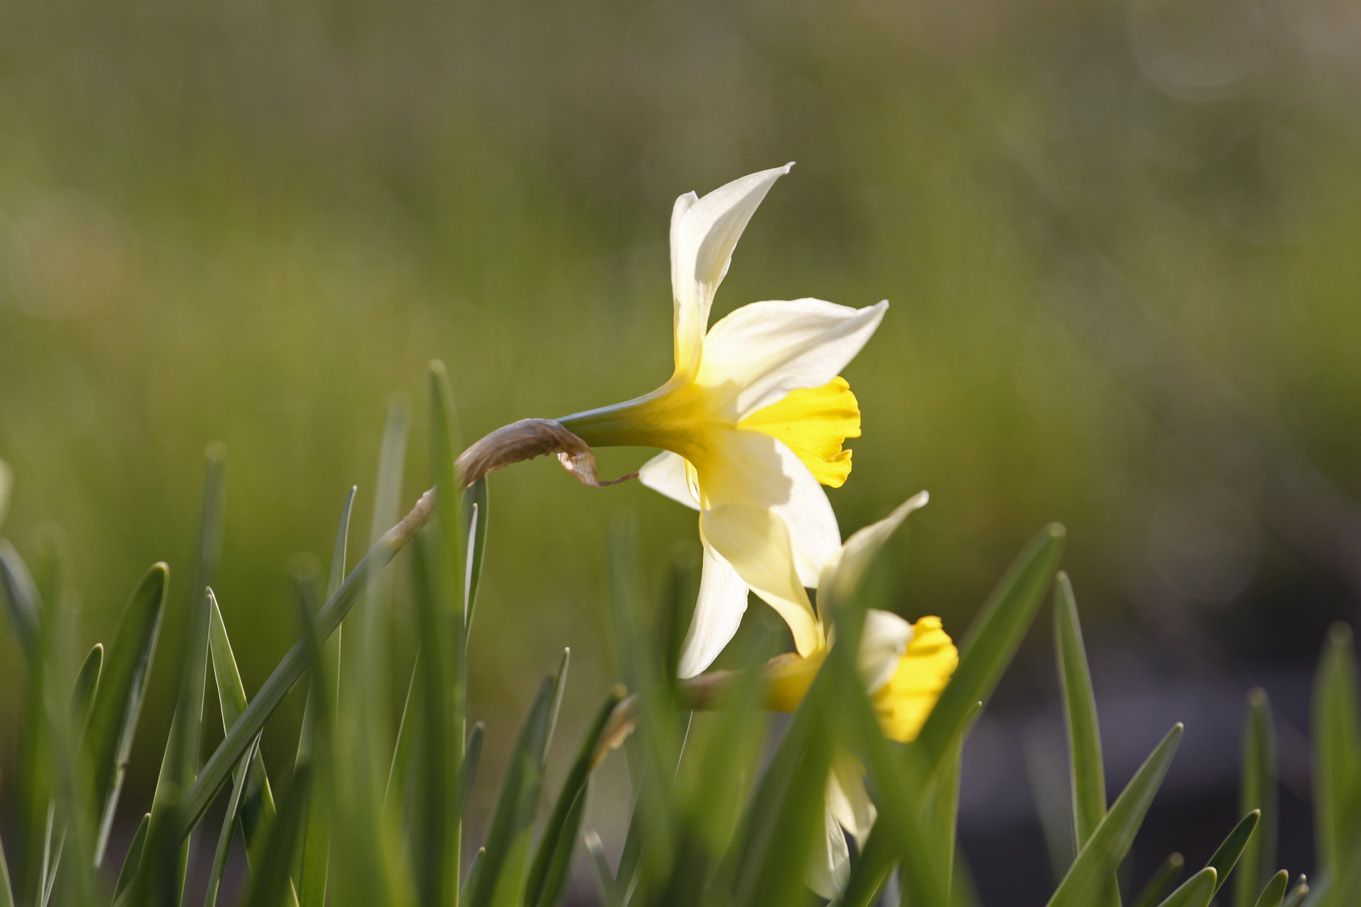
(718, 612)
(762, 351)
(704, 232)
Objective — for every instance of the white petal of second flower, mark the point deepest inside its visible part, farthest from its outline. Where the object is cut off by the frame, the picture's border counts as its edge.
(704, 232)
(718, 612)
(762, 351)
(831, 867)
(883, 640)
(843, 574)
(668, 474)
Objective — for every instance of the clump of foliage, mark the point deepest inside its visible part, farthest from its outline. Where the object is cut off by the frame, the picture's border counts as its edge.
(371, 811)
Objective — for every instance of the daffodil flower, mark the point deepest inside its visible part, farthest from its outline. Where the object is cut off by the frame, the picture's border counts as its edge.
(751, 422)
(904, 667)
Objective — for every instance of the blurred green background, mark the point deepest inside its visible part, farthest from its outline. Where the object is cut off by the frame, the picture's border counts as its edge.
(1121, 240)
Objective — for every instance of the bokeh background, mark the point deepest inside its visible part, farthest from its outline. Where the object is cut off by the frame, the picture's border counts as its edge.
(1122, 242)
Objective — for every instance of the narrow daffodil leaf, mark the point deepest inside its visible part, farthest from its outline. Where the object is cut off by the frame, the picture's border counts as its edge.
(596, 848)
(1297, 894)
(992, 639)
(1104, 850)
(1337, 746)
(900, 777)
(559, 690)
(1087, 775)
(718, 781)
(474, 878)
(501, 880)
(1161, 882)
(1196, 891)
(217, 770)
(475, 515)
(1274, 893)
(781, 827)
(225, 834)
(22, 596)
(133, 859)
(315, 848)
(256, 811)
(83, 690)
(270, 885)
(986, 650)
(406, 739)
(160, 881)
(433, 801)
(314, 866)
(548, 870)
(472, 757)
(118, 699)
(942, 797)
(1226, 855)
(1257, 791)
(6, 887)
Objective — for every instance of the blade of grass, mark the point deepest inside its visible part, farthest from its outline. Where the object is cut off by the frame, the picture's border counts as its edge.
(270, 884)
(1258, 791)
(985, 653)
(455, 569)
(942, 796)
(1160, 884)
(1274, 893)
(596, 848)
(315, 848)
(501, 880)
(472, 757)
(548, 869)
(6, 887)
(992, 640)
(257, 801)
(1226, 855)
(1196, 891)
(117, 703)
(432, 807)
(1337, 745)
(1107, 846)
(225, 834)
(900, 776)
(1297, 894)
(1086, 771)
(133, 859)
(781, 823)
(217, 770)
(83, 690)
(160, 880)
(398, 765)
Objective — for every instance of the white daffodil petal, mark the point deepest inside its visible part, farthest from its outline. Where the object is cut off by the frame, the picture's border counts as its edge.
(831, 866)
(704, 232)
(762, 351)
(752, 468)
(718, 612)
(756, 543)
(848, 567)
(883, 640)
(667, 473)
(847, 800)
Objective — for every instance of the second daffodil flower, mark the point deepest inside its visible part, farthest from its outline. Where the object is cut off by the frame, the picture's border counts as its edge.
(751, 422)
(903, 665)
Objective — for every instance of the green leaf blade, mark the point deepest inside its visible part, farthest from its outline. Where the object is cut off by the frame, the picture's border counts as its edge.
(1099, 857)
